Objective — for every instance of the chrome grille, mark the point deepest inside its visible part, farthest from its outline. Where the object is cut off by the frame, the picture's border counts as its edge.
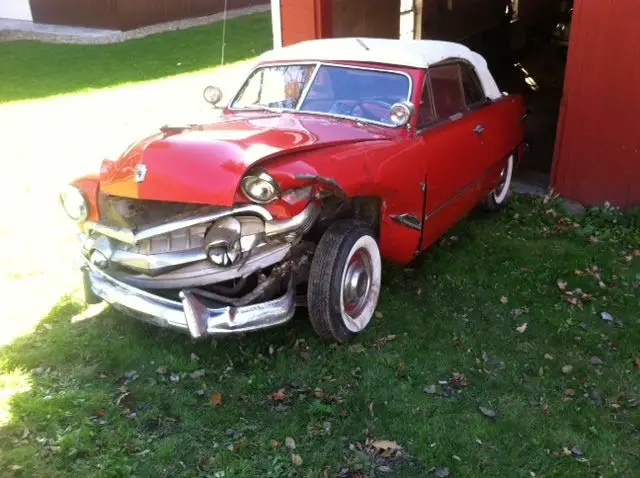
(175, 241)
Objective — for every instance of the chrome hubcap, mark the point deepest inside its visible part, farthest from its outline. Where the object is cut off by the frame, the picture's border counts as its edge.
(357, 283)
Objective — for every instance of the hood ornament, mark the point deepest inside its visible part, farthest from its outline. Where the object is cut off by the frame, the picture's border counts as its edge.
(140, 172)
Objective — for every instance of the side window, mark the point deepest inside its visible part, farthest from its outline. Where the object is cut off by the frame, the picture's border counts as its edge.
(473, 91)
(446, 86)
(426, 115)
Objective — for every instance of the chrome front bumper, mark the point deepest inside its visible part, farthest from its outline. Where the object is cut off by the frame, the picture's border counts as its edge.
(190, 314)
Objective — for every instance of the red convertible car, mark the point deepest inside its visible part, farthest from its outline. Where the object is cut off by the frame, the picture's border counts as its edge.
(332, 155)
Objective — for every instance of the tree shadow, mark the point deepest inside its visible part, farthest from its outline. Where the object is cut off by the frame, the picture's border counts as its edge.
(32, 70)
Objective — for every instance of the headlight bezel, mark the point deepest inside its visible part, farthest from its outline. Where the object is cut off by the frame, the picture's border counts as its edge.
(259, 178)
(70, 194)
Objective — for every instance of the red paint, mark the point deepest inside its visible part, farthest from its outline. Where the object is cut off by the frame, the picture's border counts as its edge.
(597, 154)
(205, 164)
(89, 187)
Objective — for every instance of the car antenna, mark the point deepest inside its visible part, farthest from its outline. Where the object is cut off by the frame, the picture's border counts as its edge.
(362, 44)
(224, 30)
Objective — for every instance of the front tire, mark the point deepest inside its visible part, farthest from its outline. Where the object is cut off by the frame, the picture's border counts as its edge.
(344, 281)
(498, 197)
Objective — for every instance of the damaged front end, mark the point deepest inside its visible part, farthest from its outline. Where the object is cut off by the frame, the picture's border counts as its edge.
(207, 269)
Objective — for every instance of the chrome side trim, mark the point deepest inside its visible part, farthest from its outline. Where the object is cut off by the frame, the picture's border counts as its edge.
(154, 264)
(190, 314)
(408, 220)
(130, 237)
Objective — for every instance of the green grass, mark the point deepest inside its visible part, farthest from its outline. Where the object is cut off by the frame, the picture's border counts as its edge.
(68, 409)
(36, 70)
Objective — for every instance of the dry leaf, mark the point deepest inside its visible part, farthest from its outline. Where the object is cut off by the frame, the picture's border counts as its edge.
(521, 329)
(419, 292)
(290, 443)
(296, 459)
(566, 369)
(371, 408)
(562, 285)
(458, 380)
(548, 356)
(636, 362)
(275, 444)
(488, 412)
(386, 447)
(545, 410)
(504, 300)
(216, 399)
(197, 374)
(278, 396)
(378, 314)
(569, 392)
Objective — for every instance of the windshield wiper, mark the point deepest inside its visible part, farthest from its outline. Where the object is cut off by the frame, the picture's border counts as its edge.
(262, 108)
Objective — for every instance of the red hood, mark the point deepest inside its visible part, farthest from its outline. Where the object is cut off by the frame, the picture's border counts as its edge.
(204, 164)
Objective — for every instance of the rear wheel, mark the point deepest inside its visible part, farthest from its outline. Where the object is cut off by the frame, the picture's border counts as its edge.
(498, 197)
(344, 281)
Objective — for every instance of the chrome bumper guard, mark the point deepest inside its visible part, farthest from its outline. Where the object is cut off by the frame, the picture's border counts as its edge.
(189, 314)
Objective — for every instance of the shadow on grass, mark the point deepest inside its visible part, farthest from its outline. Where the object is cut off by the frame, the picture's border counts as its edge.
(30, 70)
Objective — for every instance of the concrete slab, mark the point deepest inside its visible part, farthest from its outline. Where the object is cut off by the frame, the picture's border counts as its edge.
(15, 30)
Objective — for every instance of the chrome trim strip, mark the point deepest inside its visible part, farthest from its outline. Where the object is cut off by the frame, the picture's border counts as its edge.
(407, 220)
(306, 91)
(190, 314)
(154, 264)
(130, 237)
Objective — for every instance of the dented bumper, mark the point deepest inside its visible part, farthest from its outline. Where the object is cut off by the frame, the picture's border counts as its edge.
(190, 313)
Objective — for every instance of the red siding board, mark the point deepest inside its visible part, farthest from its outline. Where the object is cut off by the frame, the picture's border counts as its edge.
(597, 154)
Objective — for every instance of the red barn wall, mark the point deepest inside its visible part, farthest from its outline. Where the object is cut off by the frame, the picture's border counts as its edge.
(597, 153)
(305, 20)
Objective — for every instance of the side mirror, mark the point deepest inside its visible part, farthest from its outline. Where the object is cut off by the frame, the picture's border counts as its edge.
(401, 113)
(212, 95)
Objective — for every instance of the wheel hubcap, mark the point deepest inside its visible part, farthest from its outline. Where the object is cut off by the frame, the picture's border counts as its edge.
(357, 283)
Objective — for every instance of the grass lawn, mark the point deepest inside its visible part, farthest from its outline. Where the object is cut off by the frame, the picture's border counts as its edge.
(108, 396)
(36, 70)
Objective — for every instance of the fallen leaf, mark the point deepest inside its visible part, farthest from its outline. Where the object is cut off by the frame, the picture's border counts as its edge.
(386, 447)
(517, 312)
(162, 370)
(458, 380)
(545, 409)
(371, 408)
(442, 472)
(216, 399)
(596, 360)
(290, 443)
(430, 389)
(636, 362)
(197, 374)
(343, 412)
(419, 292)
(456, 457)
(487, 412)
(522, 328)
(569, 392)
(606, 316)
(275, 444)
(379, 314)
(504, 300)
(296, 459)
(195, 358)
(548, 356)
(356, 348)
(636, 253)
(25, 434)
(566, 369)
(278, 396)
(562, 285)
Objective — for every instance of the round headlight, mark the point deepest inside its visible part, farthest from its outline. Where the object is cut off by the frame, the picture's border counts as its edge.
(400, 113)
(74, 203)
(260, 187)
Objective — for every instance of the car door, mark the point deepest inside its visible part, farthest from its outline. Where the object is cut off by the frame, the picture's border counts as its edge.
(453, 141)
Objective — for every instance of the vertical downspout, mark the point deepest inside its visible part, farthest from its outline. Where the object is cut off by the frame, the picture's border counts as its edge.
(276, 23)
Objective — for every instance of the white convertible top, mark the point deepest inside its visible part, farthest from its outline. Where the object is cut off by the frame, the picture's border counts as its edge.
(411, 53)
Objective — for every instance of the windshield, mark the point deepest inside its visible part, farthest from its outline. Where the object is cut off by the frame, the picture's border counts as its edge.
(333, 90)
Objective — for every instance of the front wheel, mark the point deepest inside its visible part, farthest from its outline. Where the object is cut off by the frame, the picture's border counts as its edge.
(344, 281)
(498, 197)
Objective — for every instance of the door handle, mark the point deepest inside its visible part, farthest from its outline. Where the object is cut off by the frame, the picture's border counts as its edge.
(479, 129)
